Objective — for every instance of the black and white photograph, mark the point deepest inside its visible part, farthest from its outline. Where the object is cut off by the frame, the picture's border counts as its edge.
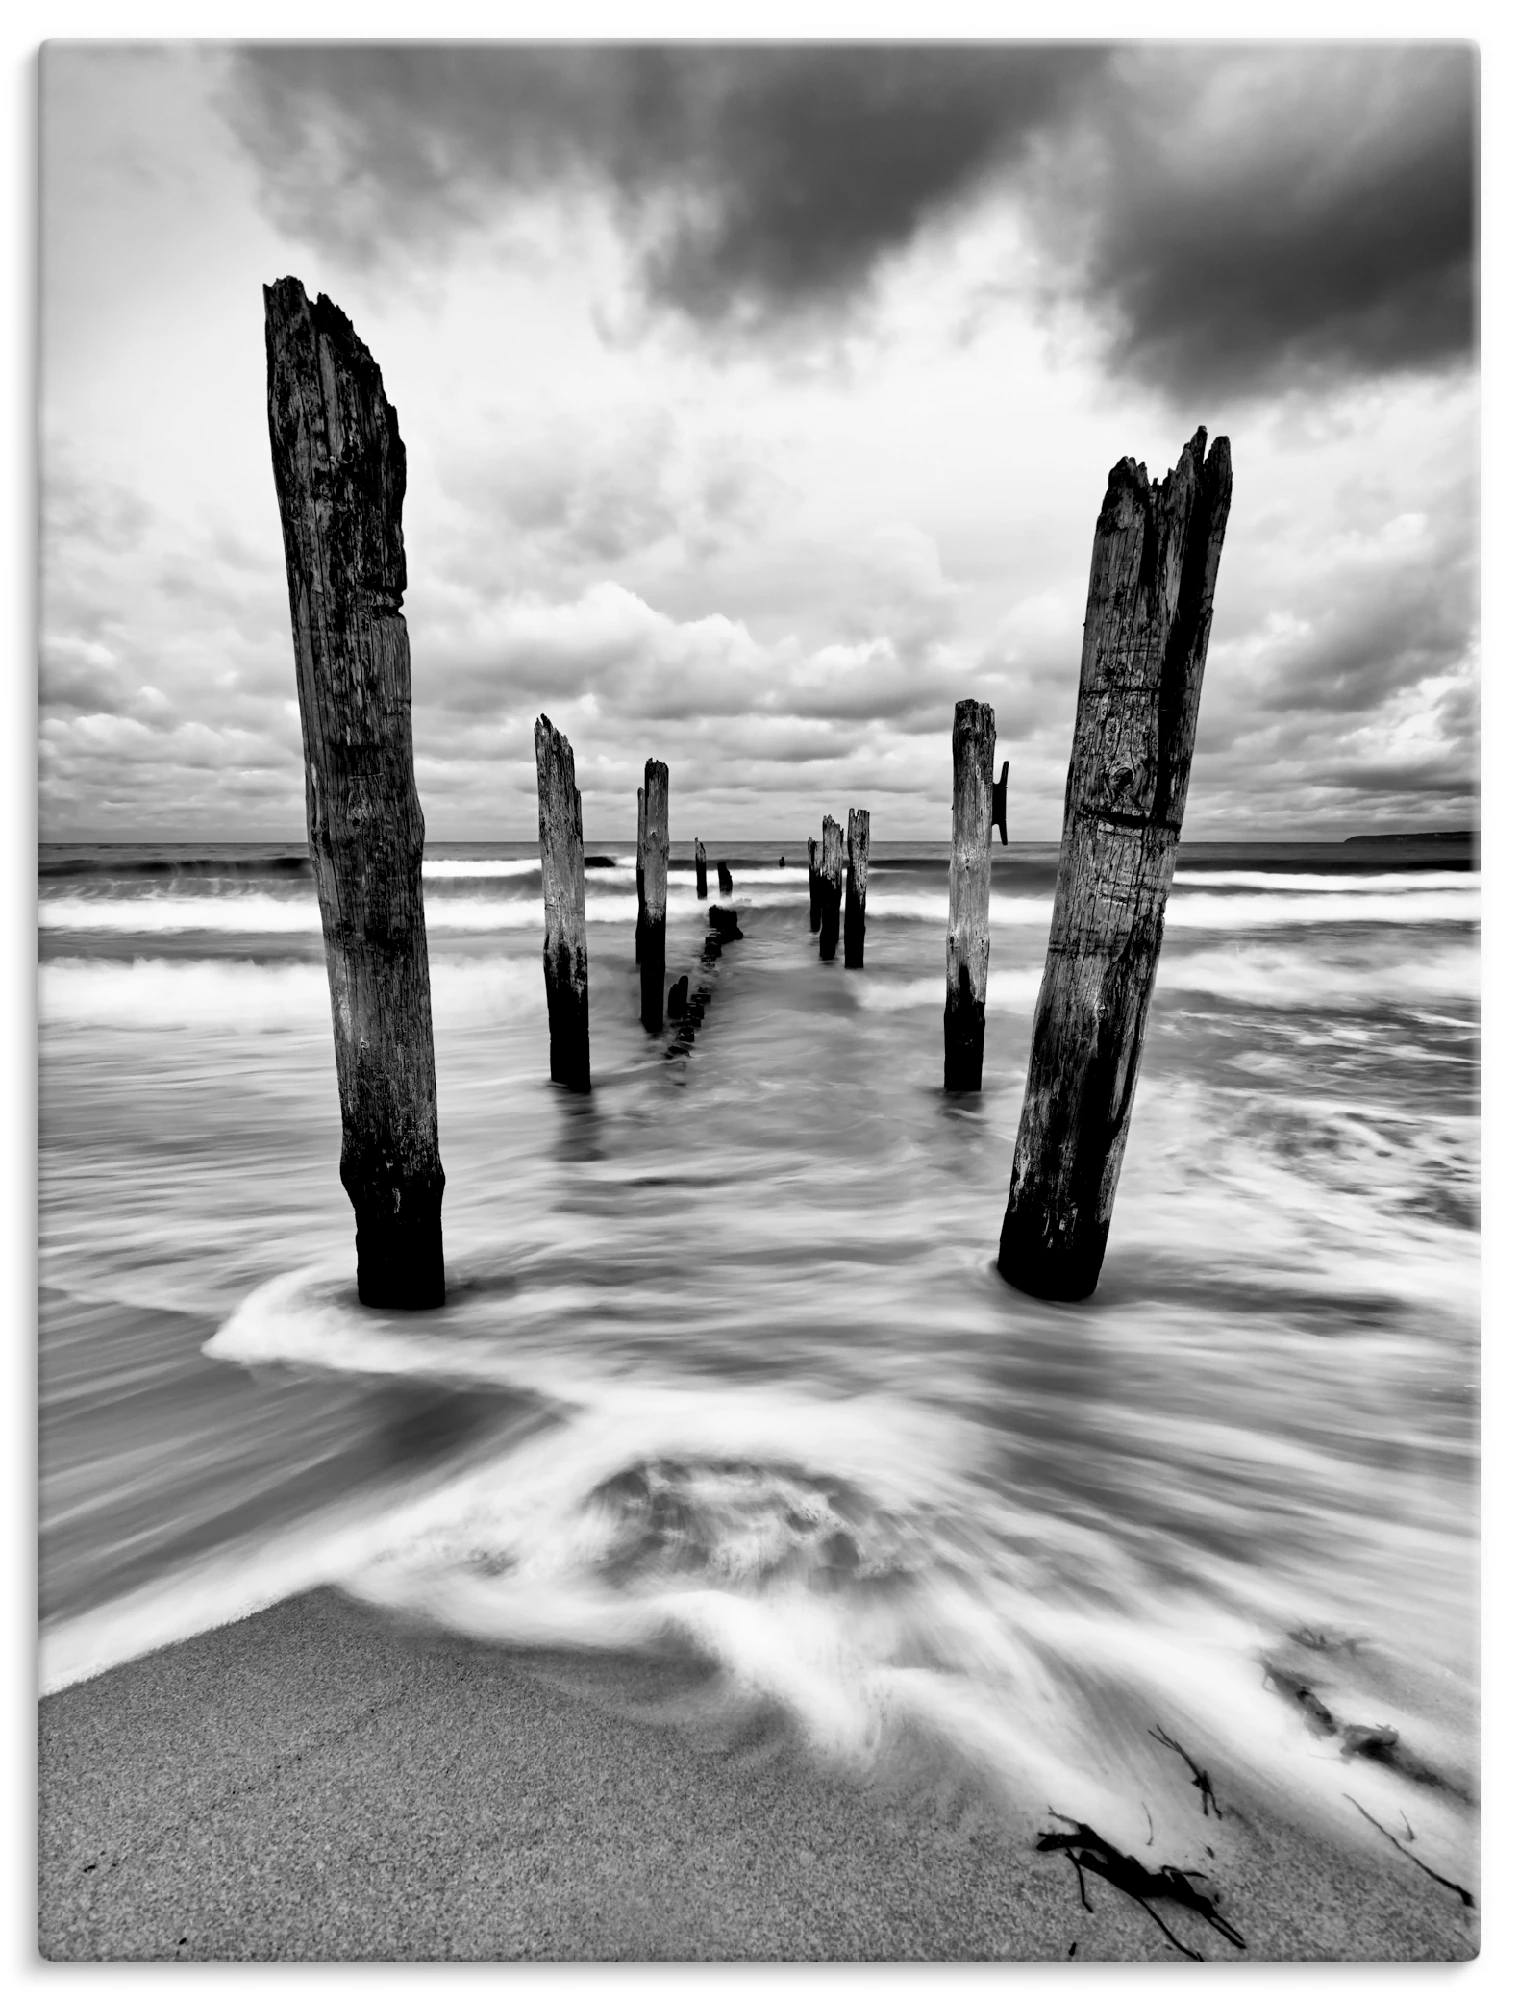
(758, 1000)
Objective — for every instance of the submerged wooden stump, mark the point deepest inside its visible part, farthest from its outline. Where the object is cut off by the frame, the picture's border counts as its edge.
(854, 898)
(638, 922)
(701, 873)
(814, 897)
(561, 843)
(1149, 611)
(968, 947)
(654, 851)
(830, 886)
(340, 474)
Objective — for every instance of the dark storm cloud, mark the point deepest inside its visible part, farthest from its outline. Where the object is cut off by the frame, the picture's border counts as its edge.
(792, 170)
(1273, 216)
(1237, 218)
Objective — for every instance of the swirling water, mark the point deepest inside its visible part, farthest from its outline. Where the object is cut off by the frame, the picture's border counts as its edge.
(725, 1359)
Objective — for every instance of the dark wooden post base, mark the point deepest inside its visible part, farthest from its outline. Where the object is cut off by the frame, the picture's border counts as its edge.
(967, 951)
(855, 891)
(830, 886)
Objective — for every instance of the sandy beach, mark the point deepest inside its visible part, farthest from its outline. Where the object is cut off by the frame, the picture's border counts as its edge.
(318, 1783)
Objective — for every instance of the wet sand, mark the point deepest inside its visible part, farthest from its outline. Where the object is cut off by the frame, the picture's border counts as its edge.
(317, 1782)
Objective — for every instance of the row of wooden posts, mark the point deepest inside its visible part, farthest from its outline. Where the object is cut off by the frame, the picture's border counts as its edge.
(340, 475)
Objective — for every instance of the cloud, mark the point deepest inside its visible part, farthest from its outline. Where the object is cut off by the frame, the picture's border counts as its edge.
(766, 178)
(1234, 218)
(1270, 217)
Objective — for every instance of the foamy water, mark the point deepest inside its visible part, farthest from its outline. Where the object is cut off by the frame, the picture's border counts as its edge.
(725, 1359)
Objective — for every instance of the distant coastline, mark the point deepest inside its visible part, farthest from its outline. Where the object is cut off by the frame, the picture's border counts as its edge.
(1456, 835)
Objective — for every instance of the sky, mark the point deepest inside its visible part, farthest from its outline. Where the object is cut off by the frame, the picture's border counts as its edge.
(758, 404)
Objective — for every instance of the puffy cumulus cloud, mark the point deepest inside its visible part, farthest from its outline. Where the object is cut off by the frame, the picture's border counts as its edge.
(728, 710)
(1237, 218)
(164, 675)
(543, 490)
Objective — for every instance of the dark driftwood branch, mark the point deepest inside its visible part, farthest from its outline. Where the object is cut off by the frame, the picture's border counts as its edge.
(1090, 1851)
(1444, 1880)
(1149, 611)
(858, 885)
(968, 948)
(561, 844)
(1200, 1778)
(340, 474)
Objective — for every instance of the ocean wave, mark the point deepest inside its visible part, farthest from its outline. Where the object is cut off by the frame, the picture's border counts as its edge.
(157, 993)
(1282, 882)
(1258, 975)
(261, 915)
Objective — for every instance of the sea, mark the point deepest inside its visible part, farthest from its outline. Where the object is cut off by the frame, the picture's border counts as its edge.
(726, 1366)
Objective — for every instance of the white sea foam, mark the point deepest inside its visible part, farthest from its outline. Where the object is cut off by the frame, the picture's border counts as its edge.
(841, 1556)
(1279, 976)
(469, 871)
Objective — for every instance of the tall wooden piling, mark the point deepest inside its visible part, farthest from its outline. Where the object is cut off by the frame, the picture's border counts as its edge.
(814, 891)
(968, 947)
(830, 886)
(724, 879)
(1149, 611)
(701, 873)
(638, 922)
(654, 848)
(854, 895)
(561, 843)
(340, 474)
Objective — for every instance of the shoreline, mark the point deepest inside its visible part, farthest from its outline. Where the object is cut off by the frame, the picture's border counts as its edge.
(320, 1782)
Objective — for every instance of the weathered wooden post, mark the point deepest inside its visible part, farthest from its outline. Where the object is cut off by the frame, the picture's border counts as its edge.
(854, 899)
(340, 474)
(654, 847)
(561, 843)
(724, 879)
(701, 873)
(1149, 610)
(830, 886)
(814, 896)
(968, 948)
(638, 923)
